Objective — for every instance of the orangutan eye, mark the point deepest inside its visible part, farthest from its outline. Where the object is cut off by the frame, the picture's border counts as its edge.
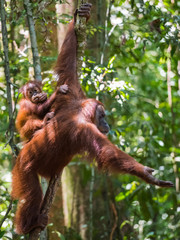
(36, 90)
(103, 114)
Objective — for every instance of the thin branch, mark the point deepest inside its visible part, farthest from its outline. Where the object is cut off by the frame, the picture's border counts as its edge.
(42, 6)
(107, 35)
(7, 77)
(7, 212)
(91, 203)
(174, 137)
(36, 59)
(115, 222)
(8, 89)
(169, 77)
(80, 29)
(178, 72)
(21, 52)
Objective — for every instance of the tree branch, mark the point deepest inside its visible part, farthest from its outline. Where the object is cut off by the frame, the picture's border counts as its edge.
(7, 212)
(36, 59)
(47, 202)
(8, 81)
(80, 29)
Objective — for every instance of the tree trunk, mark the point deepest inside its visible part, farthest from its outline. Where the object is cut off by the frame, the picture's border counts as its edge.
(8, 81)
(66, 8)
(75, 200)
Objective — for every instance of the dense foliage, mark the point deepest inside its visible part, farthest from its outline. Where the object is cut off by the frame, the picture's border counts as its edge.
(138, 80)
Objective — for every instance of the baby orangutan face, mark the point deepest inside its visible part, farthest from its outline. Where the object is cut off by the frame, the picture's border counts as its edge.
(33, 92)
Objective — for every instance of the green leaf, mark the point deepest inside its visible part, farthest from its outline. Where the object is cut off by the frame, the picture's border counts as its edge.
(2, 233)
(124, 223)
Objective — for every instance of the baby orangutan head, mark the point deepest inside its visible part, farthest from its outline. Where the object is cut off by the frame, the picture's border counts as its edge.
(33, 91)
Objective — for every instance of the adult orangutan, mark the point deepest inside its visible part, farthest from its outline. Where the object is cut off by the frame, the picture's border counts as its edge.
(77, 127)
(34, 108)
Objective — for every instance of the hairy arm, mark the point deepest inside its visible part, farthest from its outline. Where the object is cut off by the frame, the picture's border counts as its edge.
(66, 66)
(111, 158)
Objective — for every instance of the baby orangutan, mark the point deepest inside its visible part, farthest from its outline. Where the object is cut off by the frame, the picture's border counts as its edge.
(34, 108)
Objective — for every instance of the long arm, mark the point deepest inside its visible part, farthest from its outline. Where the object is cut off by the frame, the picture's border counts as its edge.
(66, 66)
(111, 158)
(66, 62)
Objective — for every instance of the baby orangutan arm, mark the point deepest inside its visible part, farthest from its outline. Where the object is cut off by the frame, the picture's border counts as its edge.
(45, 106)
